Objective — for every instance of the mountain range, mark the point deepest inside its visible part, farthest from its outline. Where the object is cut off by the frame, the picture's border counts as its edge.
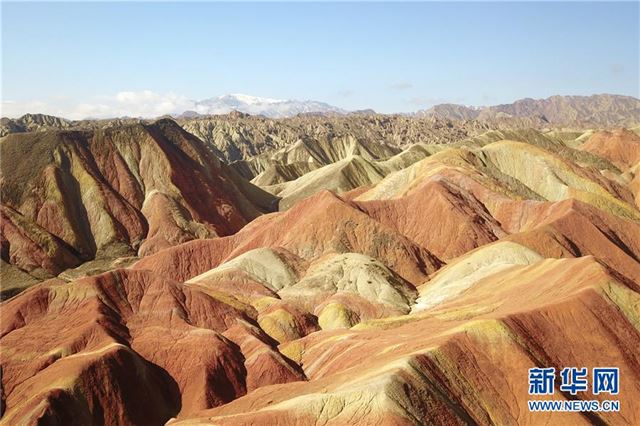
(596, 110)
(273, 108)
(601, 110)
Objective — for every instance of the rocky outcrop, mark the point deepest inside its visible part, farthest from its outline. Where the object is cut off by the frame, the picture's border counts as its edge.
(73, 196)
(240, 138)
(32, 123)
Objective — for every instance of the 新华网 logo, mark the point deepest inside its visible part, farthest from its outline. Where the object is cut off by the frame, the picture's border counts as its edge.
(573, 381)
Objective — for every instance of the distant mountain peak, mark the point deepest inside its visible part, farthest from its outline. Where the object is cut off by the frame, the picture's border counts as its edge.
(269, 107)
(248, 99)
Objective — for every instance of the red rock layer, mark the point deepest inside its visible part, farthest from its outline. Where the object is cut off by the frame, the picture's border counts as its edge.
(130, 347)
(117, 191)
(621, 147)
(443, 368)
(452, 220)
(321, 224)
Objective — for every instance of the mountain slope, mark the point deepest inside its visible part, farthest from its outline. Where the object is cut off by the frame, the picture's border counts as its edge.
(595, 110)
(73, 196)
(429, 362)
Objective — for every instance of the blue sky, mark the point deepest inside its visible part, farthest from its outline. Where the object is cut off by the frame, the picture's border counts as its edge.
(79, 58)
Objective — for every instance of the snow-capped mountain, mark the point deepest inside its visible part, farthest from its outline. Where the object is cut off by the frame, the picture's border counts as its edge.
(275, 108)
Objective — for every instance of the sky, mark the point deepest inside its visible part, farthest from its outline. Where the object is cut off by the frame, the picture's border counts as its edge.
(81, 60)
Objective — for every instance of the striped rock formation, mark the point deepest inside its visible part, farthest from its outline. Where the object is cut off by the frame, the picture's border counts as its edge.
(422, 297)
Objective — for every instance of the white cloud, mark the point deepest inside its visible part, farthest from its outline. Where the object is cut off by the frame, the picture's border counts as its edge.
(145, 103)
